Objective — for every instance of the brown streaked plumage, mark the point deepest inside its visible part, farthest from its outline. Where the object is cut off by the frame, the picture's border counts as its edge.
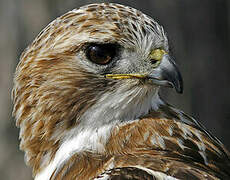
(86, 101)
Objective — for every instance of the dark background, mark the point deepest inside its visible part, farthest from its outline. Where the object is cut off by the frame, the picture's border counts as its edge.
(199, 36)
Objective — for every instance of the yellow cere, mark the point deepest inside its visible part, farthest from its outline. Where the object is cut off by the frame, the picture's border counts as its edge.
(157, 54)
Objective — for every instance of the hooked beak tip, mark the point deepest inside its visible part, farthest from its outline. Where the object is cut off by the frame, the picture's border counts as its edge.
(169, 74)
(179, 87)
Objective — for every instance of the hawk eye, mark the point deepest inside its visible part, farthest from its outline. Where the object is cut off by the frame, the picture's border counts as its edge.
(101, 53)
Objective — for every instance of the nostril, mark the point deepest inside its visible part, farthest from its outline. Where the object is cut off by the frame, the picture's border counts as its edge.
(153, 61)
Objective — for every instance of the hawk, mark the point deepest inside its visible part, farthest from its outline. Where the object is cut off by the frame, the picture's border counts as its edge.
(86, 99)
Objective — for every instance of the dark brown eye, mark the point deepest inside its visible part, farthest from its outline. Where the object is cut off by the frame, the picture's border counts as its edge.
(101, 53)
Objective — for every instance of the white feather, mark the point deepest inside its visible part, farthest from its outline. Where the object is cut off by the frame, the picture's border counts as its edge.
(96, 124)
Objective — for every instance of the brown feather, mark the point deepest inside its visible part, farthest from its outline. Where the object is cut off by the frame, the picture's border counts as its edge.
(132, 145)
(53, 89)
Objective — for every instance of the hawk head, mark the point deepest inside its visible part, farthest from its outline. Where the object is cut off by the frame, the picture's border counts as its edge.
(93, 67)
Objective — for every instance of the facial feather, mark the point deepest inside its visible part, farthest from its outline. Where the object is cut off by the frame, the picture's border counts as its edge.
(55, 91)
(69, 112)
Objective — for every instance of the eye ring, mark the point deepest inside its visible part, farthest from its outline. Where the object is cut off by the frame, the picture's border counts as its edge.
(101, 54)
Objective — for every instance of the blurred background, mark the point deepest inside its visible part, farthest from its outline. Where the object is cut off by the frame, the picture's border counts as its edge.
(199, 34)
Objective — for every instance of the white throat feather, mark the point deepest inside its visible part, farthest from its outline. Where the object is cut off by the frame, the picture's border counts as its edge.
(113, 108)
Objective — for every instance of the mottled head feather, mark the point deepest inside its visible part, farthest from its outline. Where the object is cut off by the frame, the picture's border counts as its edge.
(72, 119)
(52, 88)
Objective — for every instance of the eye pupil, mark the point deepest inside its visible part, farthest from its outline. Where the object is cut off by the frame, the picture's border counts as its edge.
(101, 53)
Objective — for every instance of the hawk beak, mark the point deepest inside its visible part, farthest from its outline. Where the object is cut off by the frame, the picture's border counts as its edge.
(167, 74)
